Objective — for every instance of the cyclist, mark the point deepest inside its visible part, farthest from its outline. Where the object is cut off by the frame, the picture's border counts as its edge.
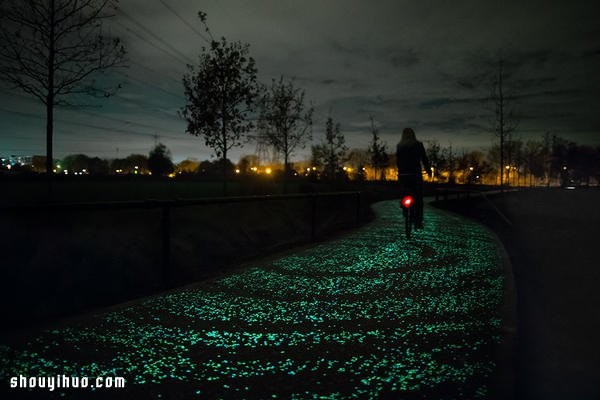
(410, 154)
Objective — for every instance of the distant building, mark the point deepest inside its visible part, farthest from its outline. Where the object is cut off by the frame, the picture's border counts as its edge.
(18, 162)
(23, 161)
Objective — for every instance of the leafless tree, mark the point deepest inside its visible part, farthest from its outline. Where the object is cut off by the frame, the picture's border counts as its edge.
(378, 151)
(330, 152)
(285, 119)
(51, 48)
(505, 119)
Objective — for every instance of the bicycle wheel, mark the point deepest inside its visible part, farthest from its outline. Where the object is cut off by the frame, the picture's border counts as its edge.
(408, 222)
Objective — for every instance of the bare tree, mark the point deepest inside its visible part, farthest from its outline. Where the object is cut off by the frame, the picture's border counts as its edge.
(52, 48)
(505, 118)
(378, 151)
(285, 119)
(332, 150)
(434, 154)
(533, 159)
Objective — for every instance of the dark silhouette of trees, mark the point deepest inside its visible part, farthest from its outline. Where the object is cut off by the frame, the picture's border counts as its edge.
(534, 159)
(187, 167)
(52, 48)
(434, 154)
(585, 162)
(285, 119)
(221, 92)
(513, 150)
(331, 151)
(159, 160)
(214, 169)
(473, 166)
(316, 161)
(378, 152)
(248, 162)
(38, 164)
(80, 163)
(358, 159)
(573, 163)
(132, 164)
(449, 162)
(75, 162)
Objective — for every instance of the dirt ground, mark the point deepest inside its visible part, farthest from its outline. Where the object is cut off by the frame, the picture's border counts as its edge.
(551, 236)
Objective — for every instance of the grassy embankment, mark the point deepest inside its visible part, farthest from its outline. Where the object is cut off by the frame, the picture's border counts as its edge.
(64, 261)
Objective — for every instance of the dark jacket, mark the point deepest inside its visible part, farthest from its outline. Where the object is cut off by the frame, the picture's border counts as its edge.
(409, 157)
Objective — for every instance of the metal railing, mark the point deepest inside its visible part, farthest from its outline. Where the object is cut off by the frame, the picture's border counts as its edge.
(166, 205)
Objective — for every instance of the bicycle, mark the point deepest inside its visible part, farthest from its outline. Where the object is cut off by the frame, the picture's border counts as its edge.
(407, 203)
(411, 201)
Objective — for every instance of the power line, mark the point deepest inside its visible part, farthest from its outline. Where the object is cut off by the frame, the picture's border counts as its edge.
(178, 95)
(153, 35)
(144, 107)
(168, 7)
(118, 120)
(152, 44)
(162, 74)
(30, 149)
(140, 105)
(115, 130)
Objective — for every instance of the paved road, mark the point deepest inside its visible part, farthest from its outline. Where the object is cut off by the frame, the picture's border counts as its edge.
(552, 240)
(554, 247)
(367, 315)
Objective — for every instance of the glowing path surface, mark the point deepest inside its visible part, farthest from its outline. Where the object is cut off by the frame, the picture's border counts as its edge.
(369, 315)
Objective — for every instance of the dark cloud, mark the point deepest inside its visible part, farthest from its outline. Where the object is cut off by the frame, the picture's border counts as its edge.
(444, 101)
(462, 123)
(422, 64)
(533, 83)
(404, 59)
(591, 53)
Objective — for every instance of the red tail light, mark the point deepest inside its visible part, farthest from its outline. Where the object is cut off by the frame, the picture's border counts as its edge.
(407, 201)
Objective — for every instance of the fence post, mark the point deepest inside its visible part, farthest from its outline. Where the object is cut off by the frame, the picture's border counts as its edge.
(313, 218)
(357, 208)
(165, 230)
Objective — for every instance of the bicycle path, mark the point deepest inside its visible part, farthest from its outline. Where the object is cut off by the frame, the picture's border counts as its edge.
(366, 315)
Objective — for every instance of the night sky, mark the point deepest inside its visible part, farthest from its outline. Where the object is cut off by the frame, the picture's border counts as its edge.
(420, 64)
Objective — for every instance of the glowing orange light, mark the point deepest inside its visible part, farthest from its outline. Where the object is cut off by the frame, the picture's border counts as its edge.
(407, 201)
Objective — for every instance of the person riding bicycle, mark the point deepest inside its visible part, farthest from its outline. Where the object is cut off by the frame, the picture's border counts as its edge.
(410, 154)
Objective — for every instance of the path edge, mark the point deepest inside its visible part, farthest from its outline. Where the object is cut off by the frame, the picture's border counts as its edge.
(503, 379)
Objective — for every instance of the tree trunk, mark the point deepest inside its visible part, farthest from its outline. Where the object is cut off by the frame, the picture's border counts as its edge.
(285, 164)
(49, 158)
(224, 166)
(224, 136)
(50, 105)
(501, 125)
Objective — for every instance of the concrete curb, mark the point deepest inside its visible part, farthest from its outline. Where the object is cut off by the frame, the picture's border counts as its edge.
(503, 384)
